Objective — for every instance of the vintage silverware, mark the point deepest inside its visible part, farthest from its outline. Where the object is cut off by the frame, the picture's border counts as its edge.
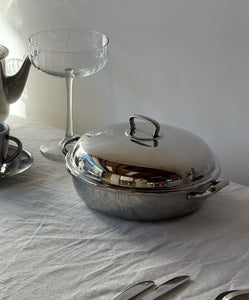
(11, 87)
(157, 292)
(237, 295)
(223, 294)
(5, 137)
(143, 170)
(166, 287)
(134, 290)
(19, 165)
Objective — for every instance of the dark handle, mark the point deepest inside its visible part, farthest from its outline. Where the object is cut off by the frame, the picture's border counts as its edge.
(144, 118)
(64, 147)
(18, 150)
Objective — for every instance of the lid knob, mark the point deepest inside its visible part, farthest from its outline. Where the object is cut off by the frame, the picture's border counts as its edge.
(144, 118)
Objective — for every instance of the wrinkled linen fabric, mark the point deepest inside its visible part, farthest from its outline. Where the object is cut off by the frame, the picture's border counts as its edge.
(52, 246)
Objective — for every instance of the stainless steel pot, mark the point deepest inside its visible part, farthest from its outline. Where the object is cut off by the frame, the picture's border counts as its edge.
(143, 170)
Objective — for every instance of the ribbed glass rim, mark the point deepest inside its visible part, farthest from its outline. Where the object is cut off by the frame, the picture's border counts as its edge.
(34, 45)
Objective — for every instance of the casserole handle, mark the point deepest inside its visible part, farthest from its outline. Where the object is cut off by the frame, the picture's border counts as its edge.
(144, 118)
(64, 146)
(215, 187)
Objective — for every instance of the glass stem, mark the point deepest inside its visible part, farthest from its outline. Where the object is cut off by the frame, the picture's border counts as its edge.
(69, 87)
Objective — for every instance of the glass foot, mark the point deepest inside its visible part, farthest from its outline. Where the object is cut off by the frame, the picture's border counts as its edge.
(53, 149)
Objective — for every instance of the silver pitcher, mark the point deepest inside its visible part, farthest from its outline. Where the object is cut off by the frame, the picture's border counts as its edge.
(11, 87)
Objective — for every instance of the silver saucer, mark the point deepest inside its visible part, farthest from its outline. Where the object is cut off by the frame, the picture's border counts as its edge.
(18, 165)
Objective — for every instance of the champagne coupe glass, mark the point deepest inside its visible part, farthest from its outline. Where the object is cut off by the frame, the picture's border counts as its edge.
(67, 53)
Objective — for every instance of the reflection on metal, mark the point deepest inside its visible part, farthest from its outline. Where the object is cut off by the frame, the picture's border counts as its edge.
(146, 144)
(143, 118)
(19, 109)
(11, 87)
(142, 140)
(125, 175)
(148, 156)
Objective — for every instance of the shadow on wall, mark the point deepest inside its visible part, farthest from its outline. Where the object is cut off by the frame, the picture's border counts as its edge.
(181, 62)
(46, 101)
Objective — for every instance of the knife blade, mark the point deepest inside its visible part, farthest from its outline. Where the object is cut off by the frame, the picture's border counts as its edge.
(166, 287)
(135, 290)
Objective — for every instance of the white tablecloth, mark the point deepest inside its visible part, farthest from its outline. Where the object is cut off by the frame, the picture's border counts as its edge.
(53, 247)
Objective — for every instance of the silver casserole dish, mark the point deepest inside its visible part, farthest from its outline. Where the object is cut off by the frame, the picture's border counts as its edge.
(143, 170)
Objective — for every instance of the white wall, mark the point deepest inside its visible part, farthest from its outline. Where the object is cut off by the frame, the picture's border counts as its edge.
(183, 62)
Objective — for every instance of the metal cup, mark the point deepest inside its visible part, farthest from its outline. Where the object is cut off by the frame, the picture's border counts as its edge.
(4, 143)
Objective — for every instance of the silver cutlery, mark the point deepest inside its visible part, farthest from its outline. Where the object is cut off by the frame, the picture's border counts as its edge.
(134, 290)
(155, 293)
(237, 295)
(166, 287)
(223, 294)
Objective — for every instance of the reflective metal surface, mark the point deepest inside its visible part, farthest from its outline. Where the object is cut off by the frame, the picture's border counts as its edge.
(138, 179)
(20, 164)
(113, 158)
(11, 87)
(135, 290)
(5, 137)
(223, 294)
(3, 52)
(237, 295)
(157, 291)
(140, 206)
(214, 187)
(166, 287)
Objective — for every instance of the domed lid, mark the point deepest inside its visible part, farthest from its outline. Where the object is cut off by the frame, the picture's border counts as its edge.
(144, 155)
